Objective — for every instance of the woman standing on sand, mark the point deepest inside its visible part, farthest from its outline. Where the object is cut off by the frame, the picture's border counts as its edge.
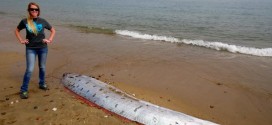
(36, 45)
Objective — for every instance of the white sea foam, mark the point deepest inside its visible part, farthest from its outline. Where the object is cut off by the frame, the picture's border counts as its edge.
(146, 36)
(202, 43)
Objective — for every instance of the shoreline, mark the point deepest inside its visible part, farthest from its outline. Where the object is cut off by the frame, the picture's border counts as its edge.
(221, 87)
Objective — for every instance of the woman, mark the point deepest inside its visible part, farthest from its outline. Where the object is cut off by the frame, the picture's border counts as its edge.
(36, 45)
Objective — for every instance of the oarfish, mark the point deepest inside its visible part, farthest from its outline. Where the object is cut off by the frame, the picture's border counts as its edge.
(125, 105)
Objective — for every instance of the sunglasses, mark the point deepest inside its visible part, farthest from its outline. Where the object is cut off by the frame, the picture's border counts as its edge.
(32, 9)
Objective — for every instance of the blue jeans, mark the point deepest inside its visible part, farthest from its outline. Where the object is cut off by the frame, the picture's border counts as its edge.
(31, 54)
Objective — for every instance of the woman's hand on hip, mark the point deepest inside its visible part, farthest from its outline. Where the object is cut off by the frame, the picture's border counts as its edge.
(24, 41)
(47, 41)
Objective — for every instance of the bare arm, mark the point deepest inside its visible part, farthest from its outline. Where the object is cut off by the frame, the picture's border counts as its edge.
(51, 37)
(19, 37)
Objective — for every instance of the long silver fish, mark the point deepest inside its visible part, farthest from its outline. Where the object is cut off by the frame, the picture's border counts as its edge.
(121, 103)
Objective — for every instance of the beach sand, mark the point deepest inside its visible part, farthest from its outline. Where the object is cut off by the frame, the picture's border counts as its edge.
(225, 88)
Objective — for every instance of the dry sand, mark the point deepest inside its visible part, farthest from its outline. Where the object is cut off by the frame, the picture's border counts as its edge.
(229, 89)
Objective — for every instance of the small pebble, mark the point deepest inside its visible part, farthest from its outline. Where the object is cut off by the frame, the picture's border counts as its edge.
(7, 98)
(35, 107)
(219, 83)
(3, 113)
(133, 94)
(54, 109)
(16, 101)
(45, 95)
(106, 116)
(211, 106)
(11, 102)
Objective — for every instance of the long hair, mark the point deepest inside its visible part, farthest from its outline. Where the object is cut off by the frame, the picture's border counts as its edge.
(30, 19)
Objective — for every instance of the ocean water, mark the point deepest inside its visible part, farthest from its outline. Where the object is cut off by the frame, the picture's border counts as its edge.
(236, 26)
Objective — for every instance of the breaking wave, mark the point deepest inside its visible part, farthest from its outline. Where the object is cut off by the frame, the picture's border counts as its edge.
(201, 43)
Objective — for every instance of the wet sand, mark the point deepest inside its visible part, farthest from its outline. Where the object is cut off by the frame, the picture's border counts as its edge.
(217, 86)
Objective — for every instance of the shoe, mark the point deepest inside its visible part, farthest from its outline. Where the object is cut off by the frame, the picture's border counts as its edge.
(24, 95)
(43, 87)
